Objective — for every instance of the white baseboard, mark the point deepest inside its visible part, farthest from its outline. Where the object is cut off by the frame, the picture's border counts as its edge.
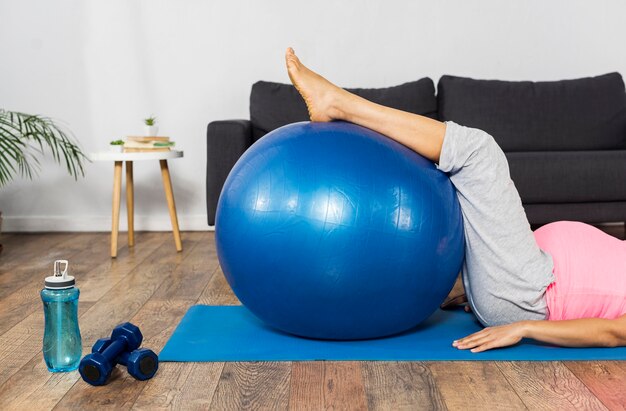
(86, 223)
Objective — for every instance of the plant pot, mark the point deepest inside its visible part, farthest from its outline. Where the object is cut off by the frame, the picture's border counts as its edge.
(116, 148)
(0, 230)
(151, 131)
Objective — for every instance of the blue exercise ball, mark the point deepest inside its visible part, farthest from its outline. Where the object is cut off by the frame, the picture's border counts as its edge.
(333, 231)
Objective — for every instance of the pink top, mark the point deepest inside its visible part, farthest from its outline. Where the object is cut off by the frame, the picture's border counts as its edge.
(590, 271)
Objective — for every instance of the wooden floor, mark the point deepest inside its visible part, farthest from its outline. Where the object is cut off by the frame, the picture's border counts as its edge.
(153, 286)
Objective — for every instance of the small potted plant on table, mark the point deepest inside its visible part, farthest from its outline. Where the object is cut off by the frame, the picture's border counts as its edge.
(151, 128)
(117, 146)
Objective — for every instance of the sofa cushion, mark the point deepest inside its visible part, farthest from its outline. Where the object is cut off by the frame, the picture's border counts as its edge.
(569, 176)
(274, 105)
(614, 211)
(583, 114)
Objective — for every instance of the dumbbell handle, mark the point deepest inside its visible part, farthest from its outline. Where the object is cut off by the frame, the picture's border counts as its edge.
(122, 359)
(113, 351)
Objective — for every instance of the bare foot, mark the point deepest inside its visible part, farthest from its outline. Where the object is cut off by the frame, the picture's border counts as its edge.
(319, 94)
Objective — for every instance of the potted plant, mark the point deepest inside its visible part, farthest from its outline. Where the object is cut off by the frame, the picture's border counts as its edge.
(117, 146)
(24, 137)
(151, 128)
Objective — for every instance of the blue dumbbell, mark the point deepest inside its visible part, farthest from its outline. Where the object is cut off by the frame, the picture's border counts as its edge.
(141, 363)
(122, 347)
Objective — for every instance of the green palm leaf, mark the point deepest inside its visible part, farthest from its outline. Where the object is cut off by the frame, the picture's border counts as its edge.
(25, 137)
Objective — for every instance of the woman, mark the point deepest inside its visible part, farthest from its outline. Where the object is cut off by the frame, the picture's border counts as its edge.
(565, 284)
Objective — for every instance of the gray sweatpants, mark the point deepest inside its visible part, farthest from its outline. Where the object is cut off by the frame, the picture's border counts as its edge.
(505, 273)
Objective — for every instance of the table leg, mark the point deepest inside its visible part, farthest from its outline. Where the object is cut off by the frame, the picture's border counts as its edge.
(169, 195)
(117, 194)
(130, 206)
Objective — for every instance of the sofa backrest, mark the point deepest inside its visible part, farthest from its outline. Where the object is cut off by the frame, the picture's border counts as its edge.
(274, 105)
(582, 114)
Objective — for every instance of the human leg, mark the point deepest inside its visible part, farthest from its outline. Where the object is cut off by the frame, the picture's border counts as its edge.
(327, 102)
(505, 273)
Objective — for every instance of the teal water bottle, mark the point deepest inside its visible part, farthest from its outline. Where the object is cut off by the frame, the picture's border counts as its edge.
(62, 346)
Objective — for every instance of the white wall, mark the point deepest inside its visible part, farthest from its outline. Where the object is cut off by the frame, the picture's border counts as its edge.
(102, 66)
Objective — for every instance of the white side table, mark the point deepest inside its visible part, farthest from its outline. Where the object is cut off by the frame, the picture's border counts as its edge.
(118, 159)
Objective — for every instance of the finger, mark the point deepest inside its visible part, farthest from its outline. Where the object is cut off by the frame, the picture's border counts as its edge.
(484, 347)
(475, 343)
(474, 336)
(465, 341)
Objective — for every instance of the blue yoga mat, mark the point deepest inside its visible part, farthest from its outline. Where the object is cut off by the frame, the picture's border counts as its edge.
(232, 333)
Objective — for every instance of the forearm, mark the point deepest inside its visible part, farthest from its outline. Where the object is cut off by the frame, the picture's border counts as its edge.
(589, 332)
(592, 332)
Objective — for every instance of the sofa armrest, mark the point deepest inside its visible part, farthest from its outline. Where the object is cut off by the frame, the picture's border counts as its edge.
(227, 140)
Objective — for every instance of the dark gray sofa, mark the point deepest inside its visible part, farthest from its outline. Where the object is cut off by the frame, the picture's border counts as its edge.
(565, 140)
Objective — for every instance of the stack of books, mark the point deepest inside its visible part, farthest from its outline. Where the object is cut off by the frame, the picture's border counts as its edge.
(135, 144)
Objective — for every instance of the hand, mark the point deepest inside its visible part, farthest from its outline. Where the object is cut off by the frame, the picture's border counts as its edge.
(492, 337)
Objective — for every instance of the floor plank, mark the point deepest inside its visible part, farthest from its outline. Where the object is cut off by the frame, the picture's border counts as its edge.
(308, 386)
(401, 386)
(20, 247)
(253, 386)
(606, 380)
(218, 292)
(108, 274)
(192, 278)
(327, 385)
(33, 256)
(548, 385)
(476, 385)
(188, 386)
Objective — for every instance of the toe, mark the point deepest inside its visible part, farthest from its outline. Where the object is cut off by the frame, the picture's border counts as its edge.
(291, 56)
(293, 64)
